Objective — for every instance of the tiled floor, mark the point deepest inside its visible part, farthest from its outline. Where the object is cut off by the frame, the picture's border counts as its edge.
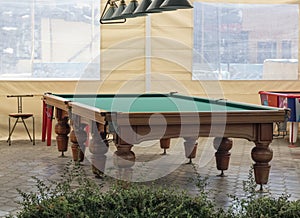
(20, 161)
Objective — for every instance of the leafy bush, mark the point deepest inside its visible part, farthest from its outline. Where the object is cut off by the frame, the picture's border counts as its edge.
(73, 196)
(263, 205)
(77, 196)
(144, 201)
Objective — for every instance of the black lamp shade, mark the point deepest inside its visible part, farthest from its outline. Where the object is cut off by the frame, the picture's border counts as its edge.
(110, 11)
(176, 4)
(118, 13)
(154, 7)
(141, 9)
(131, 7)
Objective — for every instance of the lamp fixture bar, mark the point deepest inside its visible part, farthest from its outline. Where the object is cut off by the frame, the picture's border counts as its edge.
(114, 14)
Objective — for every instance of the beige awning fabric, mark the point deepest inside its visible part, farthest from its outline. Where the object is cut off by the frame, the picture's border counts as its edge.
(145, 54)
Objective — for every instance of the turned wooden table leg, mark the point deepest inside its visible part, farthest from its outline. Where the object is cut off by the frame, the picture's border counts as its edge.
(222, 145)
(62, 129)
(262, 155)
(124, 159)
(165, 144)
(78, 137)
(98, 147)
(190, 148)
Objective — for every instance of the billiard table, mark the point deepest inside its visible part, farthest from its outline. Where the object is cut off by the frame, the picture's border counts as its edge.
(132, 118)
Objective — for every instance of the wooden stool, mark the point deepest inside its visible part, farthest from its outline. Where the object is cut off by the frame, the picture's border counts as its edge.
(20, 117)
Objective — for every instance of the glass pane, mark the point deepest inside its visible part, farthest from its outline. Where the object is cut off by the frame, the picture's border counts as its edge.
(49, 39)
(245, 41)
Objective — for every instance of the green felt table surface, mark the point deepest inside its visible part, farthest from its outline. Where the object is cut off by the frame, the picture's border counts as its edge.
(158, 103)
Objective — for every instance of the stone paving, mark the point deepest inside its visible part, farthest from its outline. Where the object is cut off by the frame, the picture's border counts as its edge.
(20, 161)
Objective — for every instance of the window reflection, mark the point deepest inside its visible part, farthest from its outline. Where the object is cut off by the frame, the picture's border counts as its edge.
(234, 41)
(49, 39)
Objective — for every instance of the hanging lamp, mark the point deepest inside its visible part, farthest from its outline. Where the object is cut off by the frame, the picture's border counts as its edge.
(106, 17)
(118, 13)
(154, 7)
(176, 4)
(141, 9)
(131, 7)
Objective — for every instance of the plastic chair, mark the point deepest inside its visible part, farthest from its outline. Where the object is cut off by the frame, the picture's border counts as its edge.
(20, 117)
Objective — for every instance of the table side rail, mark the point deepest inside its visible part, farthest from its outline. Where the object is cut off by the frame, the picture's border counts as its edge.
(88, 112)
(192, 118)
(226, 102)
(55, 101)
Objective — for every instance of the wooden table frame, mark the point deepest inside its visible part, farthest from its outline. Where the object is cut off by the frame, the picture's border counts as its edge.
(132, 128)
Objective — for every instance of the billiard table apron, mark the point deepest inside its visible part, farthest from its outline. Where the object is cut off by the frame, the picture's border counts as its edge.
(136, 127)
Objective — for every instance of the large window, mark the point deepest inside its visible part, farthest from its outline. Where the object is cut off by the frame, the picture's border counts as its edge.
(266, 50)
(49, 39)
(245, 41)
(286, 49)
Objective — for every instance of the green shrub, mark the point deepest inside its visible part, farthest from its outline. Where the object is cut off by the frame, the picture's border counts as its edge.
(258, 204)
(77, 196)
(149, 201)
(73, 196)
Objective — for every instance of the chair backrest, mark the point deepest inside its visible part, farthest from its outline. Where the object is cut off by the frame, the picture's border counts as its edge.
(19, 101)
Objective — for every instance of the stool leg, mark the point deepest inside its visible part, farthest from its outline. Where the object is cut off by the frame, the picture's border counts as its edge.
(9, 134)
(26, 129)
(12, 130)
(33, 131)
